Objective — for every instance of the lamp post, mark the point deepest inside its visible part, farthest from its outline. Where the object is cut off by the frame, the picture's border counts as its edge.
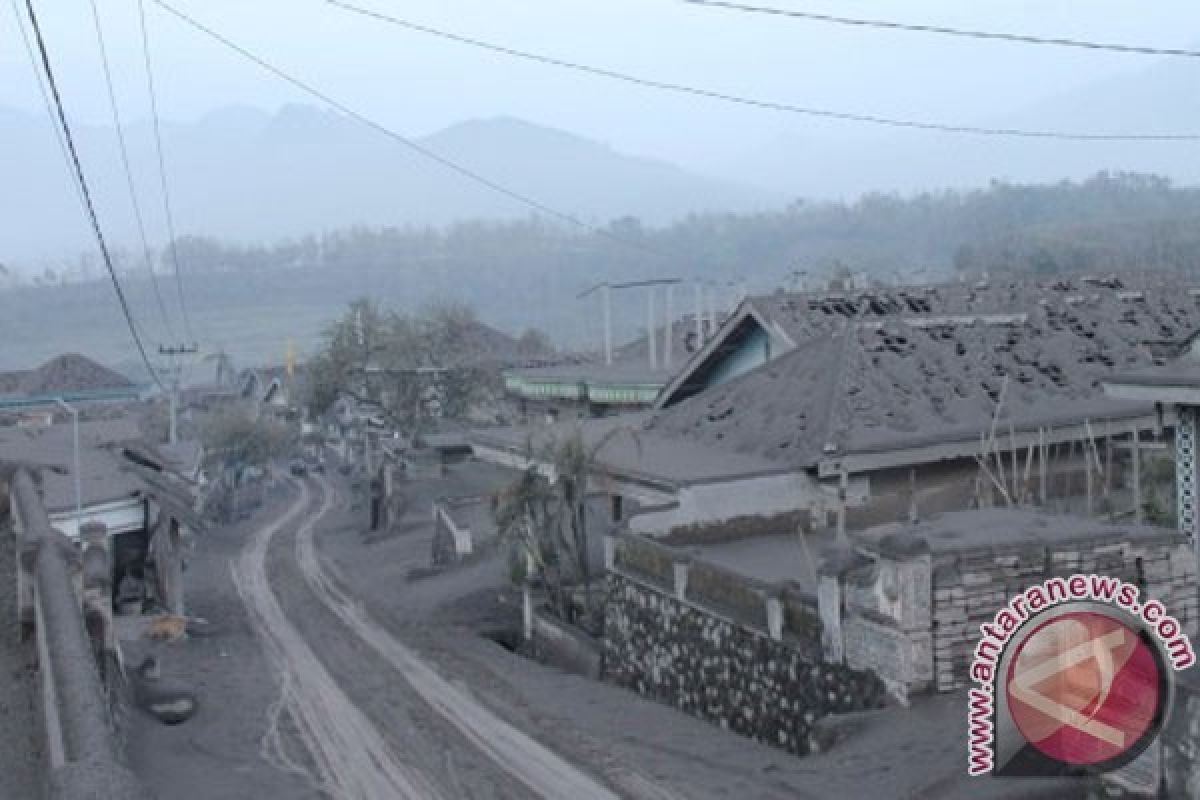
(74, 412)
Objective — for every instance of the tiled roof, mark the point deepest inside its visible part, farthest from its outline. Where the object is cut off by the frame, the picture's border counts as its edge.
(65, 373)
(902, 381)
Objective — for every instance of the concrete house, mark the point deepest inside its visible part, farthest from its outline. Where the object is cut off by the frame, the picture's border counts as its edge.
(590, 386)
(136, 493)
(70, 377)
(852, 410)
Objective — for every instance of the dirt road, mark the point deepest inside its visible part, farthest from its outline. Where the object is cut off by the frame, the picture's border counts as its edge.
(340, 671)
(349, 757)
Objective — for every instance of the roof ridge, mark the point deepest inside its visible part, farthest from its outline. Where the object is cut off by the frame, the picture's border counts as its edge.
(837, 386)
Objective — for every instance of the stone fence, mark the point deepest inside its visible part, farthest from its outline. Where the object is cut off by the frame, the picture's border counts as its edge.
(83, 755)
(741, 653)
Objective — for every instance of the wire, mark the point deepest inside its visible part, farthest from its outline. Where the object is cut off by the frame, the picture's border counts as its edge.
(90, 207)
(399, 138)
(770, 105)
(41, 82)
(137, 208)
(1017, 38)
(172, 248)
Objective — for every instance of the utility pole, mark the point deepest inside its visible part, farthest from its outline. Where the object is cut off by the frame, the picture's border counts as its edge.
(174, 353)
(608, 342)
(74, 412)
(651, 350)
(651, 326)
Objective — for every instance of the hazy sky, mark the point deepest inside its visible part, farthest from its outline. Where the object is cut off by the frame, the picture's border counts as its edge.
(419, 84)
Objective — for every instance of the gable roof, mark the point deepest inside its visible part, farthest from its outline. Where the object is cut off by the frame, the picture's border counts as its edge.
(63, 374)
(791, 318)
(1161, 316)
(900, 383)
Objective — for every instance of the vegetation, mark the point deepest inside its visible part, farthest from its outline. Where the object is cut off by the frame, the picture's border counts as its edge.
(417, 368)
(547, 522)
(1110, 221)
(240, 440)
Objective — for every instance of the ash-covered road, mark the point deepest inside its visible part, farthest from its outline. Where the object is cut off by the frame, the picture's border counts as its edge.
(364, 715)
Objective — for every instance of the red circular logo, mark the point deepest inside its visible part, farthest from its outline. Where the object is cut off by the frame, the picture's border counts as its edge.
(1084, 688)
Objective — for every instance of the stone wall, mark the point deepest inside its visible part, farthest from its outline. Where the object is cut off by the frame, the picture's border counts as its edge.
(969, 589)
(724, 648)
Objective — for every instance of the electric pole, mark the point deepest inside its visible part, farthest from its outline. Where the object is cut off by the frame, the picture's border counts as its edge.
(174, 353)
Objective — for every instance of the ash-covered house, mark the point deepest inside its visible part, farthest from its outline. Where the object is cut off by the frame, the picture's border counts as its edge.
(138, 493)
(593, 386)
(854, 409)
(71, 377)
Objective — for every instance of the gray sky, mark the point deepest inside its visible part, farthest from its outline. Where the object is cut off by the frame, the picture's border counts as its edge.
(419, 84)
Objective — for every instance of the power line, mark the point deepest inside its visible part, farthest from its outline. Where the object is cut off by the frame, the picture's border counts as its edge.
(137, 208)
(89, 206)
(162, 173)
(397, 137)
(1017, 38)
(770, 105)
(46, 101)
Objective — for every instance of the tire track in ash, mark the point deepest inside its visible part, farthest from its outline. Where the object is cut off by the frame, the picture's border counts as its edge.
(543, 771)
(349, 755)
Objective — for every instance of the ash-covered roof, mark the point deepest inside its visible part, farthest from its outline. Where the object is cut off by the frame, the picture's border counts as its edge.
(53, 447)
(66, 373)
(905, 381)
(626, 449)
(802, 316)
(1008, 528)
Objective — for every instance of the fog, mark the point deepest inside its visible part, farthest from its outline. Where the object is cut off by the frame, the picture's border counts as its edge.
(420, 84)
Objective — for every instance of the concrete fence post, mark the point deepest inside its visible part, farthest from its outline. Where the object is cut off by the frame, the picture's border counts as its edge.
(527, 612)
(774, 617)
(680, 572)
(610, 552)
(97, 589)
(829, 609)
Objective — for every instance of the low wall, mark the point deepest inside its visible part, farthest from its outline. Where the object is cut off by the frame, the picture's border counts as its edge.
(564, 646)
(741, 654)
(968, 591)
(709, 504)
(82, 751)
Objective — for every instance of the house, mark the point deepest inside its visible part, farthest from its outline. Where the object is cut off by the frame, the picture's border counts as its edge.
(764, 327)
(127, 486)
(856, 409)
(591, 387)
(908, 606)
(1173, 388)
(70, 377)
(269, 387)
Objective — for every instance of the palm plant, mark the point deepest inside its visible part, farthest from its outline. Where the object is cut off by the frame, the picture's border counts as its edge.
(545, 516)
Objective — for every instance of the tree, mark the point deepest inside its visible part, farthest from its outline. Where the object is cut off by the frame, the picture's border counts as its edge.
(546, 521)
(534, 343)
(241, 440)
(416, 368)
(224, 367)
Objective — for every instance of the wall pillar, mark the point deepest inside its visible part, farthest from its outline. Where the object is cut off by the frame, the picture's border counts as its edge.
(680, 574)
(774, 618)
(829, 609)
(1185, 471)
(97, 590)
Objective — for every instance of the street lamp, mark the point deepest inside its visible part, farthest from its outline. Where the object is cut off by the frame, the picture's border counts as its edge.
(74, 412)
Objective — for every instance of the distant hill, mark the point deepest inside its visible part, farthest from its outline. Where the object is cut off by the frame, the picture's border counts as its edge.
(1154, 99)
(243, 174)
